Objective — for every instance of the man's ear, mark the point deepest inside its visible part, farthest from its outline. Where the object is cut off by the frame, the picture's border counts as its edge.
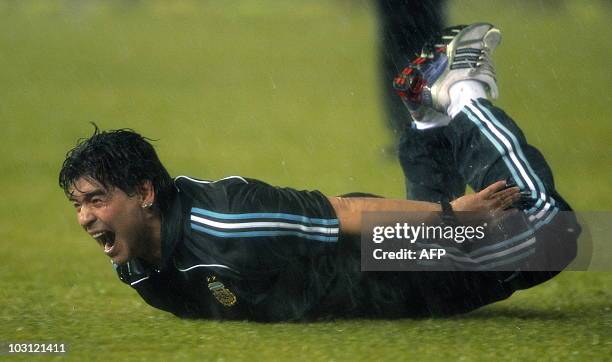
(146, 190)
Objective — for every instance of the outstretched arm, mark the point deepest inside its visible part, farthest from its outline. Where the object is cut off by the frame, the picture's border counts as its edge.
(492, 199)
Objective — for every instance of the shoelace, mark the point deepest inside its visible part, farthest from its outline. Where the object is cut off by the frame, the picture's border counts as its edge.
(484, 63)
(474, 59)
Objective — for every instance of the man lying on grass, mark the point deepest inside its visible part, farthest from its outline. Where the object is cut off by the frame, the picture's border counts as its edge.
(239, 248)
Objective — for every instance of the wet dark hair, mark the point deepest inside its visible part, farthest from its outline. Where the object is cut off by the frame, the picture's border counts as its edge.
(118, 158)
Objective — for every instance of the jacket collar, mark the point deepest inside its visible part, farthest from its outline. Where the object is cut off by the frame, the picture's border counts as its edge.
(171, 231)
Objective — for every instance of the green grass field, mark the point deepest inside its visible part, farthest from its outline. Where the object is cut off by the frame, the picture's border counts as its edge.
(286, 92)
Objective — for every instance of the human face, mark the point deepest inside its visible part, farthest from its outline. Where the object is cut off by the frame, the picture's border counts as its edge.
(114, 219)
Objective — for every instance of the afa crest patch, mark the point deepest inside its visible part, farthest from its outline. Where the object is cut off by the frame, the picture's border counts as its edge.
(220, 292)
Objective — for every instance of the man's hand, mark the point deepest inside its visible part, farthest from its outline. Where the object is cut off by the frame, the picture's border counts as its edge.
(493, 199)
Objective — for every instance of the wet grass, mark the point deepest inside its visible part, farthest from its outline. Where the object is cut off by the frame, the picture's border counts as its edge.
(286, 93)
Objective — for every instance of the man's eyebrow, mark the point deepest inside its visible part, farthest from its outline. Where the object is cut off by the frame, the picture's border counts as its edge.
(87, 195)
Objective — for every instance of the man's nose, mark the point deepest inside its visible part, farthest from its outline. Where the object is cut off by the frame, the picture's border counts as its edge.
(86, 216)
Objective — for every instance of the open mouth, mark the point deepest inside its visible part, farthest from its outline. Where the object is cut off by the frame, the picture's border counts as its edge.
(105, 239)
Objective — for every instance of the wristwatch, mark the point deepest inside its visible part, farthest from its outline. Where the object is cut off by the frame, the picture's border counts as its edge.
(448, 215)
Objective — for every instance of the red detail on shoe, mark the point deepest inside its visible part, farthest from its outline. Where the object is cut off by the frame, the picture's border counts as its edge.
(415, 89)
(410, 92)
(419, 60)
(407, 71)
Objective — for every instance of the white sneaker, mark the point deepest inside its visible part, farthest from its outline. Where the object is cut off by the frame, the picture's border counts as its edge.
(458, 53)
